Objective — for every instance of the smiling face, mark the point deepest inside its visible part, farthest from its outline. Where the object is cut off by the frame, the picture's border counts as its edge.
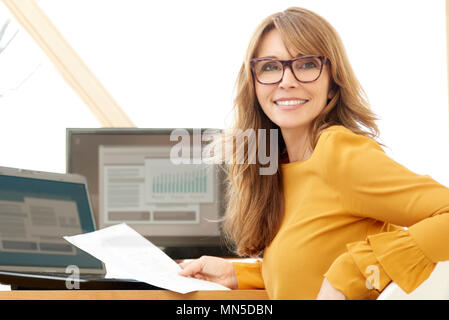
(290, 104)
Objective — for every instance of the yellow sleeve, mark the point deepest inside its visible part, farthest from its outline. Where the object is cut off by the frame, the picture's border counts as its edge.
(249, 275)
(372, 185)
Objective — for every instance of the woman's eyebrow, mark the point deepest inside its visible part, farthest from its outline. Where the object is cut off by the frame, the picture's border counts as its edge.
(265, 57)
(274, 57)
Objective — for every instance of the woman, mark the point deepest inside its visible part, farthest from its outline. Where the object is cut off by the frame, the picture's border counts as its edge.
(330, 223)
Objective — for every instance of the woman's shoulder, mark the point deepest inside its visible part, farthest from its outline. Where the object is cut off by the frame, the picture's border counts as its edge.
(339, 132)
(346, 153)
(338, 128)
(338, 137)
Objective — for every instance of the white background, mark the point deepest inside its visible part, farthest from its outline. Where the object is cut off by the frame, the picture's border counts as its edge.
(136, 47)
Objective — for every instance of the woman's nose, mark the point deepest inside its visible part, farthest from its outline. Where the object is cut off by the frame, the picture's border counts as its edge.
(288, 80)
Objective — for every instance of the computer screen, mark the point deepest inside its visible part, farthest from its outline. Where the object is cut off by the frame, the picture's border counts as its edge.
(35, 214)
(132, 179)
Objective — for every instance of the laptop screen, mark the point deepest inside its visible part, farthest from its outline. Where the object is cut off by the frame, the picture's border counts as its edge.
(34, 216)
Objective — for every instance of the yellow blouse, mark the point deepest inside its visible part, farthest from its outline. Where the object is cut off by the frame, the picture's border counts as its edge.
(345, 209)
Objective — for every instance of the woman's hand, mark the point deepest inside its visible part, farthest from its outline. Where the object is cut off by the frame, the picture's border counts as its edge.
(211, 269)
(328, 292)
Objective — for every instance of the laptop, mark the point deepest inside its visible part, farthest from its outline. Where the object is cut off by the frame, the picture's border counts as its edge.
(36, 210)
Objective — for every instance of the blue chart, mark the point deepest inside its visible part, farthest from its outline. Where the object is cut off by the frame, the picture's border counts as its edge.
(186, 183)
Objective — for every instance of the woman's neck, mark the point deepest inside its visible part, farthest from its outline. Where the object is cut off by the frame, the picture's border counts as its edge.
(297, 144)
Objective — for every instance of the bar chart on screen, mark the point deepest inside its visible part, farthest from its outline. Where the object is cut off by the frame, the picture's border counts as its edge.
(181, 183)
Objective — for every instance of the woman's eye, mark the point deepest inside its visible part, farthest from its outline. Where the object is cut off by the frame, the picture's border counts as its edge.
(308, 65)
(270, 67)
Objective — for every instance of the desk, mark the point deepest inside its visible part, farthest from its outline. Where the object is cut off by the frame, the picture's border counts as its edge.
(132, 295)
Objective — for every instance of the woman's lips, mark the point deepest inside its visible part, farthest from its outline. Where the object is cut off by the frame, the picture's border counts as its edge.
(290, 104)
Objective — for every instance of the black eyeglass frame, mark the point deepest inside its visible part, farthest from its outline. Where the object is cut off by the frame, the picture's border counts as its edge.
(287, 63)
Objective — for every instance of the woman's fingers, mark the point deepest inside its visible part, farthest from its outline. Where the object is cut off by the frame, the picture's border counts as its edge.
(211, 269)
(190, 268)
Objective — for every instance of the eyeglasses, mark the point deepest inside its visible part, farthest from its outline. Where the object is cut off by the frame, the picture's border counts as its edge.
(271, 71)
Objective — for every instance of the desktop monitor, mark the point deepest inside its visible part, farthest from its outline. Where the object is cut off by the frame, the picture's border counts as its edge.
(132, 179)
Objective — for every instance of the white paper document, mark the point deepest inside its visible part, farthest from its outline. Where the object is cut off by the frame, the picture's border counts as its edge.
(128, 252)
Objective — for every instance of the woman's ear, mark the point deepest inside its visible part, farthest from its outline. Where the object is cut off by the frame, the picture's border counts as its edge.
(332, 90)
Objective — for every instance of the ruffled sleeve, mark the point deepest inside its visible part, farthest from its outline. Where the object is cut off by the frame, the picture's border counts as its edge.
(372, 185)
(401, 258)
(369, 266)
(249, 275)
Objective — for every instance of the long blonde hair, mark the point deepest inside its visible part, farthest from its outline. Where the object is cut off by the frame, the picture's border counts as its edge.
(254, 202)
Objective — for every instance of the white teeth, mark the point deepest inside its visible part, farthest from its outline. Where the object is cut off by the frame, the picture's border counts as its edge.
(290, 102)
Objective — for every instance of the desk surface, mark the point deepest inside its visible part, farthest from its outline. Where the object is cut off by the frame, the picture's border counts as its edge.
(132, 295)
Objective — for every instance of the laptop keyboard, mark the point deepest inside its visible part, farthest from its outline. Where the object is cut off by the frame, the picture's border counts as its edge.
(66, 275)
